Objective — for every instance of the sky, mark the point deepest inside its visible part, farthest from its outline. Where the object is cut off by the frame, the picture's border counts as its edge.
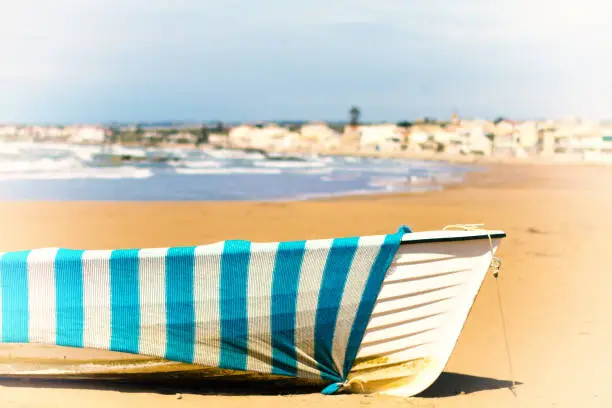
(89, 61)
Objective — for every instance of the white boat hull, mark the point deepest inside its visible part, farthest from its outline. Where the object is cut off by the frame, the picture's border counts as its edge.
(420, 311)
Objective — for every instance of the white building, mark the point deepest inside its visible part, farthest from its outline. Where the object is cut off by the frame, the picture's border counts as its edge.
(579, 141)
(8, 130)
(87, 134)
(240, 136)
(417, 139)
(315, 136)
(289, 141)
(218, 139)
(475, 141)
(516, 139)
(386, 137)
(318, 132)
(270, 136)
(449, 140)
(55, 133)
(528, 134)
(486, 125)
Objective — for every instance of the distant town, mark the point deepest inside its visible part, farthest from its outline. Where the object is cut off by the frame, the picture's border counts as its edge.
(569, 138)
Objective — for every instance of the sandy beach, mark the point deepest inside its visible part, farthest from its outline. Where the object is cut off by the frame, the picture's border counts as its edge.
(554, 281)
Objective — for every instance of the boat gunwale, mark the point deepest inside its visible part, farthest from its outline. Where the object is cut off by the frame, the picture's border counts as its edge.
(407, 241)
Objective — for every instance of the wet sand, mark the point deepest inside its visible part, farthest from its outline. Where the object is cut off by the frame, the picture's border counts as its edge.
(555, 283)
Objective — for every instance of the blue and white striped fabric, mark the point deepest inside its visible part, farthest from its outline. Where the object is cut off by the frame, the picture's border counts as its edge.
(292, 308)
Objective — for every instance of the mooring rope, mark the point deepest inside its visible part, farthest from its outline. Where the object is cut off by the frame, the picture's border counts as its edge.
(496, 266)
(503, 320)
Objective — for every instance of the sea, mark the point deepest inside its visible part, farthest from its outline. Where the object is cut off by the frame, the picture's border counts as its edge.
(45, 171)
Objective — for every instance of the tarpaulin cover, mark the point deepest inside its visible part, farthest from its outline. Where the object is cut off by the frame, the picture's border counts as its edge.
(297, 308)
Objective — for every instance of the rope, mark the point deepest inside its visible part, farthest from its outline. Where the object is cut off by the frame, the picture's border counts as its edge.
(496, 266)
(503, 320)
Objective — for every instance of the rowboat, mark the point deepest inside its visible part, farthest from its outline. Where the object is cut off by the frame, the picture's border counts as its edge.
(369, 314)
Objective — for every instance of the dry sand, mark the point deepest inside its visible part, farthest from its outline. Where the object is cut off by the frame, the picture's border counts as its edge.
(555, 283)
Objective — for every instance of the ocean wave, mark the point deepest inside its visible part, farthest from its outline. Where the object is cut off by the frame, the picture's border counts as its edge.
(387, 181)
(445, 177)
(10, 151)
(314, 196)
(365, 191)
(178, 152)
(197, 164)
(288, 164)
(45, 164)
(223, 171)
(85, 153)
(340, 177)
(313, 171)
(234, 154)
(322, 159)
(351, 159)
(84, 173)
(405, 170)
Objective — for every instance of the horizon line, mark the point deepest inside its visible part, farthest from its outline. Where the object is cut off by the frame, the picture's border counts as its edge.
(263, 121)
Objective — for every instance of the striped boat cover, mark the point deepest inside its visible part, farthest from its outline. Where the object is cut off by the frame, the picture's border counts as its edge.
(291, 308)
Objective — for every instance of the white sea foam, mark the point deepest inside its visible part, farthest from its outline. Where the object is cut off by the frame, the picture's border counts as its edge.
(358, 192)
(387, 181)
(117, 150)
(197, 164)
(376, 169)
(57, 161)
(339, 177)
(85, 153)
(82, 173)
(387, 186)
(234, 170)
(351, 159)
(288, 164)
(314, 196)
(8, 150)
(313, 171)
(174, 152)
(234, 154)
(44, 164)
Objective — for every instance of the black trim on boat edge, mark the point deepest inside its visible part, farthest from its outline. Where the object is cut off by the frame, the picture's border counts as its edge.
(451, 239)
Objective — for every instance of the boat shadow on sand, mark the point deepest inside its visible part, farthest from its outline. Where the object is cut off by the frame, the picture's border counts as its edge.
(447, 385)
(450, 384)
